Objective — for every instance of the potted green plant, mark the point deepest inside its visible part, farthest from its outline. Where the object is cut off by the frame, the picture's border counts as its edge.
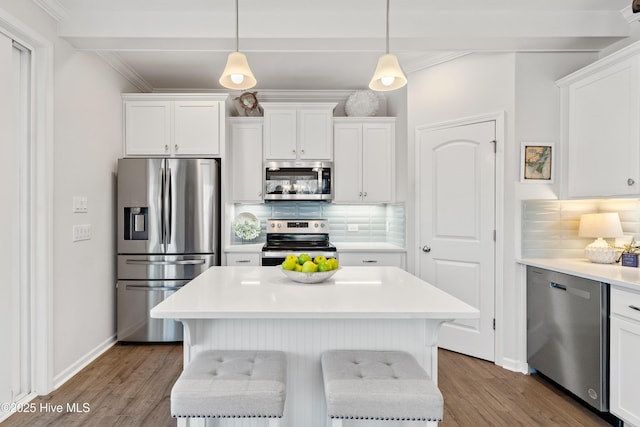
(629, 254)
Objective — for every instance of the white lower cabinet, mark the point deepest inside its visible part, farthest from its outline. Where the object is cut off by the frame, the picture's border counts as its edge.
(378, 259)
(624, 362)
(243, 258)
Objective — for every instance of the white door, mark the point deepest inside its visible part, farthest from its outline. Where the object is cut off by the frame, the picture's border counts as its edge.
(456, 221)
(14, 187)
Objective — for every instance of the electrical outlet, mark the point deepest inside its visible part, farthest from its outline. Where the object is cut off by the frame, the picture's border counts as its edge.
(81, 232)
(352, 227)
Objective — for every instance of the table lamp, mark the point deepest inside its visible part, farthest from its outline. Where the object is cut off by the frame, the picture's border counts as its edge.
(600, 226)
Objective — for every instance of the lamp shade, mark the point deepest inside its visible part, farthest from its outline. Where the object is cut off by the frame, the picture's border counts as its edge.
(237, 74)
(600, 225)
(388, 74)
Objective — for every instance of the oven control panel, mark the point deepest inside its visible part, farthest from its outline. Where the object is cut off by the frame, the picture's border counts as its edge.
(297, 226)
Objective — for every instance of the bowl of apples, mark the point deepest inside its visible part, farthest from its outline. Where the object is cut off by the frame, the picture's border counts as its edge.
(303, 269)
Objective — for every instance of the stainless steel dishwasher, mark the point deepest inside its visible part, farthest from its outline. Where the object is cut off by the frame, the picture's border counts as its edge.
(568, 333)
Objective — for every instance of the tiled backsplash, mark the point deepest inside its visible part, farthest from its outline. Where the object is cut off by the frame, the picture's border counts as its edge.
(375, 223)
(550, 227)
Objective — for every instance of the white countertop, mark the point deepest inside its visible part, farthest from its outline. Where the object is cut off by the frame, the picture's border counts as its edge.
(352, 293)
(614, 274)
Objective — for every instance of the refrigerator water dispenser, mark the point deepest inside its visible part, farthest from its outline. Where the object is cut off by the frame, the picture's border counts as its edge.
(135, 223)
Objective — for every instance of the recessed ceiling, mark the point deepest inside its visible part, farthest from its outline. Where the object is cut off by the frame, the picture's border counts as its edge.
(312, 45)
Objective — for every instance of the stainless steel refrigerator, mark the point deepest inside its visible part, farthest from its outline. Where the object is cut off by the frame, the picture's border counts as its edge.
(168, 233)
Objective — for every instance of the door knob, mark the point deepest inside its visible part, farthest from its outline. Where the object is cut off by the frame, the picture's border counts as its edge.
(426, 249)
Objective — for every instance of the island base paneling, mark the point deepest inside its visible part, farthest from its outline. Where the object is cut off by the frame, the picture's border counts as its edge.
(304, 340)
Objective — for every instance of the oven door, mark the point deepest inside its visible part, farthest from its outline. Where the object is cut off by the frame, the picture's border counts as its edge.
(270, 258)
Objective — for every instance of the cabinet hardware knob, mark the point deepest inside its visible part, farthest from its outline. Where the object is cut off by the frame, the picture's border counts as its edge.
(166, 147)
(176, 147)
(633, 307)
(369, 261)
(365, 194)
(259, 193)
(360, 194)
(293, 151)
(302, 151)
(630, 181)
(426, 249)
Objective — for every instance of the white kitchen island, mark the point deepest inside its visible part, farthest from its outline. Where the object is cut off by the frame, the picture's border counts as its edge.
(377, 308)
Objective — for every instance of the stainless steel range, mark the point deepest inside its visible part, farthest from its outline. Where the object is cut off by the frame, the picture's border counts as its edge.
(296, 236)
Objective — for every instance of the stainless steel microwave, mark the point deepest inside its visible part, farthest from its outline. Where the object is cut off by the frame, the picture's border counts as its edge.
(303, 180)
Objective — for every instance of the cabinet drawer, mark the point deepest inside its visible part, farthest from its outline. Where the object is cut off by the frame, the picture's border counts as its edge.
(626, 304)
(243, 259)
(393, 259)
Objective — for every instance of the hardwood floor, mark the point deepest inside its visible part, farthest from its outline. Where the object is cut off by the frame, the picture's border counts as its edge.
(130, 385)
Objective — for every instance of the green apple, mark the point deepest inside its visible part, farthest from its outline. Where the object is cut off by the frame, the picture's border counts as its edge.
(289, 264)
(320, 259)
(309, 267)
(333, 263)
(304, 258)
(291, 258)
(324, 266)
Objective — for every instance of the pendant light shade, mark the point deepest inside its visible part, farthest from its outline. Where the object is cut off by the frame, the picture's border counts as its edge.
(388, 74)
(237, 74)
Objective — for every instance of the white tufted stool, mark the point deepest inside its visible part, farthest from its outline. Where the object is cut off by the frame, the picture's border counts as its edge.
(232, 384)
(378, 385)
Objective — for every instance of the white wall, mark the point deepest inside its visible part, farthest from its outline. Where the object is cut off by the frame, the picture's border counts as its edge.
(87, 142)
(521, 85)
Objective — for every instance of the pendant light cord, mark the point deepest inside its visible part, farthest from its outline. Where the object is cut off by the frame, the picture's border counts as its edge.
(238, 47)
(387, 26)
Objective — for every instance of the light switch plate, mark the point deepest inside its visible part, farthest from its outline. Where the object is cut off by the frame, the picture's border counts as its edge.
(81, 232)
(80, 204)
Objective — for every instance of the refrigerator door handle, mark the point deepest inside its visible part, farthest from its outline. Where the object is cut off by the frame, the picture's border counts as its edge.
(181, 262)
(169, 201)
(152, 288)
(161, 203)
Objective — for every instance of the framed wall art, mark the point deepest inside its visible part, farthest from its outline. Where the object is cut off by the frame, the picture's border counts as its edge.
(537, 162)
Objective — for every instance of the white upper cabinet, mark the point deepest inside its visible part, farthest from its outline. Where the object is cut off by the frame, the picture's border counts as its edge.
(364, 160)
(601, 128)
(298, 131)
(246, 160)
(173, 125)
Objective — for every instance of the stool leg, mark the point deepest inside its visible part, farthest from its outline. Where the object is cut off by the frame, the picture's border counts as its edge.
(274, 422)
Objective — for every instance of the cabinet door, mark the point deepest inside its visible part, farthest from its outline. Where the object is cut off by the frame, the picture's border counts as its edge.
(196, 128)
(347, 163)
(625, 370)
(316, 136)
(246, 162)
(604, 134)
(280, 134)
(147, 128)
(377, 162)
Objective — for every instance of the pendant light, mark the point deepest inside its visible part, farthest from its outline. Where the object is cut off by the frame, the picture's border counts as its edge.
(388, 74)
(237, 74)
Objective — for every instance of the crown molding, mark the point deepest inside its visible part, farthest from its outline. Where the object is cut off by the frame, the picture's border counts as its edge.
(127, 72)
(53, 7)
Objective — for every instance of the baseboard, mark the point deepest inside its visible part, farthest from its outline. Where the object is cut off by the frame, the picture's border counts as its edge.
(514, 365)
(72, 370)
